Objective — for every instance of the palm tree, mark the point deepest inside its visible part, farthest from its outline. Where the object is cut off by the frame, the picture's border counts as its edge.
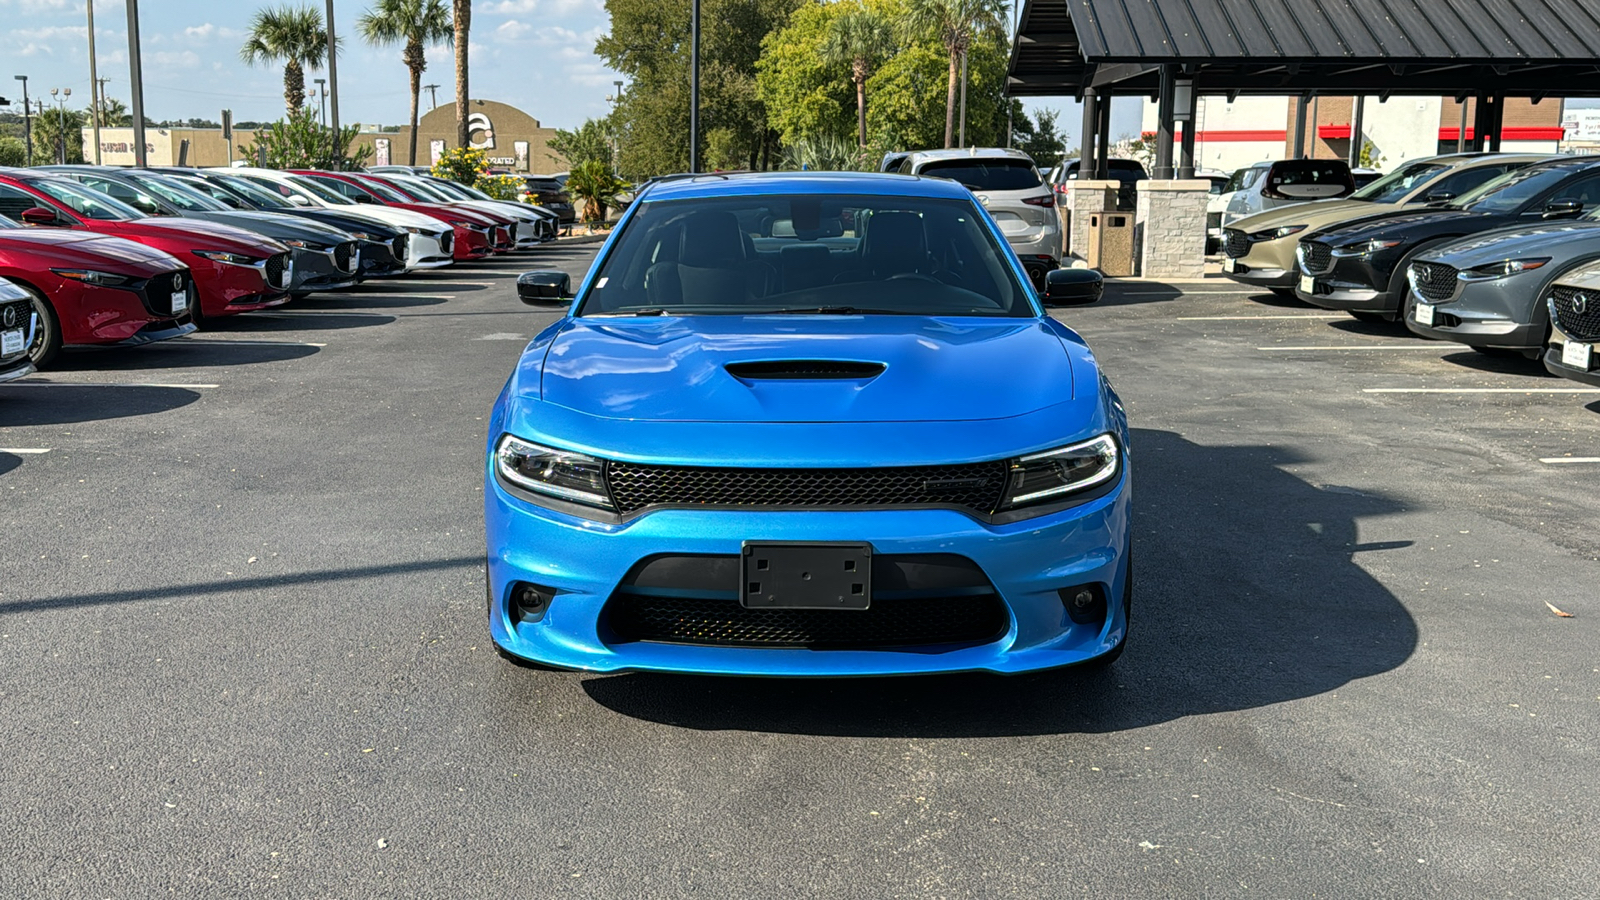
(416, 24)
(294, 36)
(957, 23)
(463, 23)
(860, 37)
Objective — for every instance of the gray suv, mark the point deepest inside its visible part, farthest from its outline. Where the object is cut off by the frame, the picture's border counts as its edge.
(1009, 187)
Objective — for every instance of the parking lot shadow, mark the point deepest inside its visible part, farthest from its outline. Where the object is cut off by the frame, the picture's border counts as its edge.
(1247, 595)
(9, 461)
(385, 300)
(181, 354)
(1500, 363)
(60, 404)
(297, 319)
(1128, 293)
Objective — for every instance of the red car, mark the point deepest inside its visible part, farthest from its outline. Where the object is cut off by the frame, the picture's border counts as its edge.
(90, 289)
(478, 233)
(235, 270)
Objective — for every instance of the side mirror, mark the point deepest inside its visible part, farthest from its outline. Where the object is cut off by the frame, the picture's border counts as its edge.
(363, 198)
(297, 200)
(1072, 287)
(544, 288)
(38, 215)
(1438, 197)
(1561, 209)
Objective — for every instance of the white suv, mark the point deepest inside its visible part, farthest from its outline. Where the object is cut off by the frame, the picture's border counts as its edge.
(1008, 185)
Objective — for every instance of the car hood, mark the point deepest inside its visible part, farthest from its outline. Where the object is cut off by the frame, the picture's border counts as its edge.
(1585, 277)
(673, 369)
(499, 208)
(1517, 242)
(280, 227)
(1397, 224)
(346, 222)
(43, 248)
(199, 233)
(393, 215)
(1313, 215)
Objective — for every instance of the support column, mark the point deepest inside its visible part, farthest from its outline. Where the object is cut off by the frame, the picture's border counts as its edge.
(1102, 168)
(1170, 228)
(1358, 106)
(1497, 122)
(1461, 131)
(1482, 121)
(1184, 103)
(1164, 123)
(1299, 150)
(1091, 119)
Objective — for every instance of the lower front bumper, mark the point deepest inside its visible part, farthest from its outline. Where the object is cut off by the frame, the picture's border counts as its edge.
(20, 367)
(1028, 563)
(1349, 298)
(163, 330)
(1492, 332)
(1554, 365)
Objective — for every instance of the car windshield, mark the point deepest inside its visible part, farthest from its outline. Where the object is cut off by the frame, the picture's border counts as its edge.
(326, 195)
(421, 189)
(1511, 190)
(985, 174)
(1240, 179)
(86, 202)
(178, 195)
(252, 193)
(1393, 187)
(457, 191)
(810, 253)
(383, 189)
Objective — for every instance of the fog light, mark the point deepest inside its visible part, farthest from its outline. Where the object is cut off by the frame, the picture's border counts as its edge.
(1085, 603)
(529, 602)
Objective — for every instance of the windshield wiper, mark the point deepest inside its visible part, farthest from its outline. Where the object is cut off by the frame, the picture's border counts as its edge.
(830, 311)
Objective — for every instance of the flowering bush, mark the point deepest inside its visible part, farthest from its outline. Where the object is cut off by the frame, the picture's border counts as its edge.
(501, 187)
(463, 164)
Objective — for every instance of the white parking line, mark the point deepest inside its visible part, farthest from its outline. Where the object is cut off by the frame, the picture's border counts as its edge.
(24, 451)
(101, 384)
(1563, 460)
(1480, 390)
(503, 336)
(1312, 318)
(230, 341)
(1358, 347)
(318, 312)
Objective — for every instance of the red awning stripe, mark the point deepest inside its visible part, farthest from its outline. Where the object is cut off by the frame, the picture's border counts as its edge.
(1214, 137)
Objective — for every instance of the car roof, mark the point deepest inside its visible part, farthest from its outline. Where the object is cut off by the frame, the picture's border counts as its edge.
(922, 156)
(756, 183)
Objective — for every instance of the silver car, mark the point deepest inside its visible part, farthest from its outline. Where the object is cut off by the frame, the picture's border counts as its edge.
(1488, 291)
(1008, 185)
(1268, 185)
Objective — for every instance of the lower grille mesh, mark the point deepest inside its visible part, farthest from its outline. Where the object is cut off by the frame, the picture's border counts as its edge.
(899, 622)
(1434, 281)
(344, 257)
(1577, 312)
(1316, 258)
(1235, 244)
(277, 269)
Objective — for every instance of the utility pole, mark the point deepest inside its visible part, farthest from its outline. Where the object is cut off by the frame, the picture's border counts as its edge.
(616, 143)
(333, 84)
(433, 95)
(962, 141)
(322, 92)
(694, 85)
(27, 118)
(94, 85)
(136, 84)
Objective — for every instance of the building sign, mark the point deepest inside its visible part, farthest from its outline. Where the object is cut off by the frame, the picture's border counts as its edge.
(436, 150)
(380, 152)
(478, 124)
(1581, 124)
(521, 149)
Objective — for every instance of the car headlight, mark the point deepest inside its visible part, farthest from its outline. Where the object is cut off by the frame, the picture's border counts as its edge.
(363, 236)
(1272, 234)
(89, 276)
(1047, 476)
(473, 226)
(1365, 248)
(308, 245)
(564, 475)
(223, 256)
(1503, 268)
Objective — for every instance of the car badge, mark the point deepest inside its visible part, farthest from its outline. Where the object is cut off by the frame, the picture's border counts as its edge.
(177, 281)
(984, 199)
(11, 317)
(1580, 304)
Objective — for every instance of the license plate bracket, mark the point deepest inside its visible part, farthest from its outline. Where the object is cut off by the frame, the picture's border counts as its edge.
(12, 342)
(1230, 264)
(1424, 314)
(1308, 284)
(805, 575)
(1575, 354)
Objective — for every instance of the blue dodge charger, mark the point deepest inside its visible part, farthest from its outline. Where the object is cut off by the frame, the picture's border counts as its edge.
(808, 424)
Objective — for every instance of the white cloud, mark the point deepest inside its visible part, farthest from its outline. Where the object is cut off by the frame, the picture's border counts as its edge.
(512, 30)
(557, 8)
(514, 7)
(154, 63)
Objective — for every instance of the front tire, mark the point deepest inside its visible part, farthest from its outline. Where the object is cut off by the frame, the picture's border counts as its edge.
(47, 339)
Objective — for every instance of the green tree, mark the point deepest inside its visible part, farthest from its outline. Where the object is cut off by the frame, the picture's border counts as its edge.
(415, 24)
(591, 140)
(859, 37)
(13, 152)
(54, 126)
(300, 141)
(910, 95)
(956, 24)
(461, 23)
(114, 113)
(294, 36)
(1038, 136)
(592, 183)
(804, 95)
(462, 165)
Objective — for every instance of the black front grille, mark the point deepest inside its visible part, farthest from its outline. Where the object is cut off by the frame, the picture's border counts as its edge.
(157, 291)
(447, 241)
(277, 270)
(1577, 312)
(1315, 257)
(1434, 281)
(896, 622)
(398, 248)
(344, 256)
(1234, 243)
(15, 315)
(975, 486)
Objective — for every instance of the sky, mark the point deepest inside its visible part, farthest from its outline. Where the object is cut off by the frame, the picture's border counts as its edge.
(537, 55)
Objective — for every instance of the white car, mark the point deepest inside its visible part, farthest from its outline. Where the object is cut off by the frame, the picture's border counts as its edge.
(1009, 186)
(430, 244)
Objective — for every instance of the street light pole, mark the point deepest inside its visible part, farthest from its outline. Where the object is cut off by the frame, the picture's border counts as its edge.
(616, 141)
(94, 86)
(27, 118)
(323, 93)
(333, 84)
(136, 85)
(60, 96)
(694, 86)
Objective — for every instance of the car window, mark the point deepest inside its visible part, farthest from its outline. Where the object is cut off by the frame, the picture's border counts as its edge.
(343, 189)
(317, 189)
(178, 195)
(1308, 171)
(385, 190)
(1510, 191)
(1394, 186)
(1584, 190)
(1458, 183)
(123, 191)
(260, 194)
(86, 202)
(985, 174)
(14, 201)
(755, 255)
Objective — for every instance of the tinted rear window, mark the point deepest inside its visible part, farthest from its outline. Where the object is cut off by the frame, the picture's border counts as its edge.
(986, 174)
(1310, 171)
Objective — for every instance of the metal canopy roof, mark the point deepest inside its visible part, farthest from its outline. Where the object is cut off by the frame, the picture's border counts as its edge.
(1515, 47)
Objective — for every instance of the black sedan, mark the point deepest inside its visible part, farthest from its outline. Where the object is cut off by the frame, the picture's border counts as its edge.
(1360, 266)
(323, 258)
(382, 247)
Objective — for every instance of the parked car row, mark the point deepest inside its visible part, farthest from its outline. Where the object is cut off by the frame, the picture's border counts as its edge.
(1500, 252)
(106, 255)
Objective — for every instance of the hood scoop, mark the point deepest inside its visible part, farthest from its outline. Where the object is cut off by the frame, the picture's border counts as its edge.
(804, 369)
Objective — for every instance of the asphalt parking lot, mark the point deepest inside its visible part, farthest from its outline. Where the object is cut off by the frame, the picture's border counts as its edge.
(243, 645)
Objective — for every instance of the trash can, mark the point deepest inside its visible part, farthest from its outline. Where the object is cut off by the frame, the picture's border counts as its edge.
(1111, 243)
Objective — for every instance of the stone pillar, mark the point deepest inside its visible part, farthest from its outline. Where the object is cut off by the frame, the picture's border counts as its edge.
(1085, 196)
(1169, 237)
